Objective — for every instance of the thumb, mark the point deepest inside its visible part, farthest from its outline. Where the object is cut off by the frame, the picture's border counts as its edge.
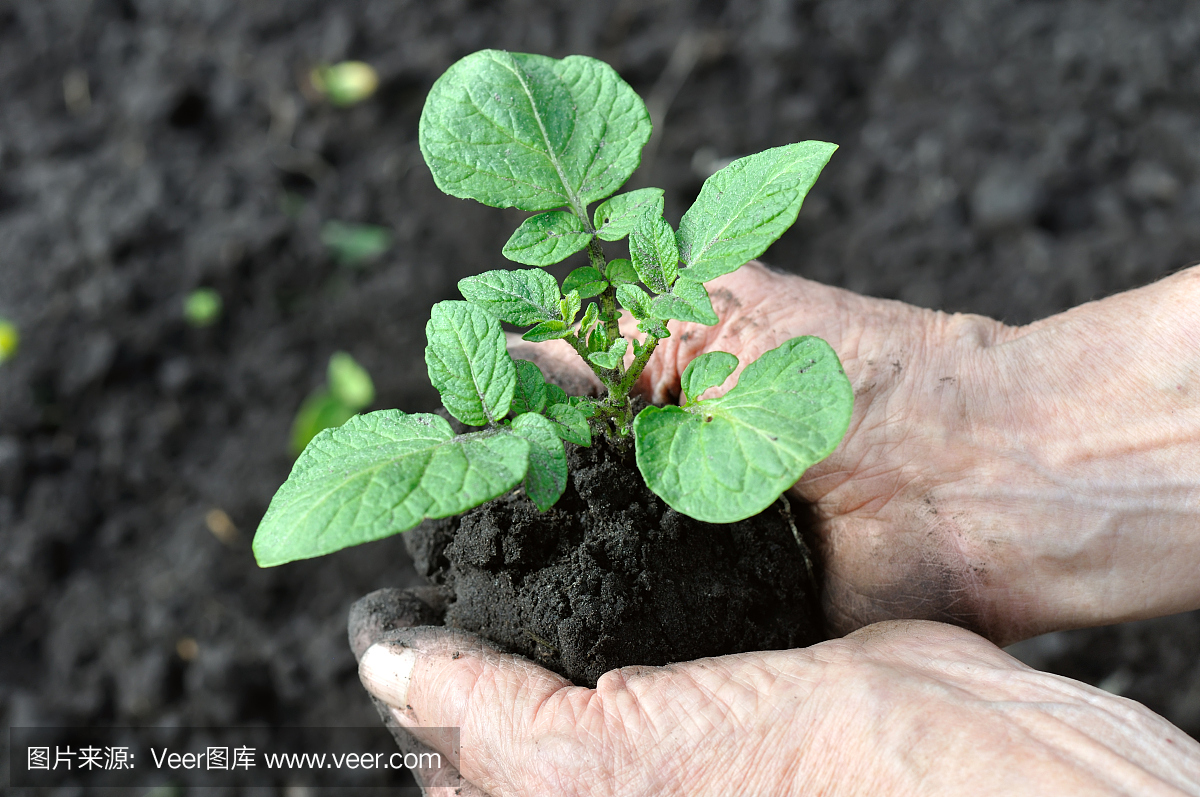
(519, 725)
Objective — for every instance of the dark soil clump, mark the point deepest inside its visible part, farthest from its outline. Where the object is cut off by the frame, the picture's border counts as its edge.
(611, 576)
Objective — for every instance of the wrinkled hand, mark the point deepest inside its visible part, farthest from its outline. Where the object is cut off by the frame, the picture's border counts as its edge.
(994, 477)
(898, 708)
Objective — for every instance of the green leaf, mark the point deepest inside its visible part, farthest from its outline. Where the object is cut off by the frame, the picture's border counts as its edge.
(547, 475)
(568, 306)
(724, 459)
(469, 363)
(547, 330)
(570, 423)
(584, 404)
(381, 474)
(655, 254)
(598, 340)
(620, 270)
(319, 412)
(617, 217)
(530, 395)
(652, 326)
(555, 395)
(687, 301)
(744, 207)
(547, 238)
(587, 281)
(531, 132)
(707, 370)
(522, 297)
(201, 308)
(589, 318)
(355, 244)
(613, 357)
(634, 299)
(349, 382)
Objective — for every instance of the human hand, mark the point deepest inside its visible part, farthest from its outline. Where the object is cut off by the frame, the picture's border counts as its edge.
(898, 708)
(1010, 480)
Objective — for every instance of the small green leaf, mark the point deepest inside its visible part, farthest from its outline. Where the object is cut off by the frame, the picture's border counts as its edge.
(555, 395)
(546, 239)
(586, 280)
(687, 301)
(655, 254)
(355, 244)
(634, 299)
(521, 297)
(10, 339)
(547, 475)
(202, 307)
(584, 404)
(613, 357)
(724, 459)
(617, 217)
(530, 395)
(652, 326)
(381, 474)
(547, 330)
(469, 363)
(319, 412)
(620, 270)
(598, 340)
(707, 370)
(349, 382)
(568, 306)
(345, 83)
(744, 207)
(589, 318)
(570, 423)
(527, 131)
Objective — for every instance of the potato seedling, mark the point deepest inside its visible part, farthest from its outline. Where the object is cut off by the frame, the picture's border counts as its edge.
(348, 390)
(355, 244)
(202, 307)
(345, 83)
(553, 137)
(10, 339)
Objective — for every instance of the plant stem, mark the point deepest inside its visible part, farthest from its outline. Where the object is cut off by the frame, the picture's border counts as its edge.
(608, 299)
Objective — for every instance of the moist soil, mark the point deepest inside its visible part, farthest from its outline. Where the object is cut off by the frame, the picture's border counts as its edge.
(611, 576)
(1012, 158)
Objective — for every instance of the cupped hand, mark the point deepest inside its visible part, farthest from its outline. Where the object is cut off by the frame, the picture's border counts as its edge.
(976, 484)
(899, 708)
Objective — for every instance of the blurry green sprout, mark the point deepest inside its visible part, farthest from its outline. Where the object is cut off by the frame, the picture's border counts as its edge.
(348, 390)
(9, 339)
(202, 307)
(345, 83)
(355, 244)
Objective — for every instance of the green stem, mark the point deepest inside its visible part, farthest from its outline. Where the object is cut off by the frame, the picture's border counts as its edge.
(608, 299)
(635, 370)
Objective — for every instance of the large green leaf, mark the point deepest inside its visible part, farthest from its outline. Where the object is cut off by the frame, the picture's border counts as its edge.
(527, 131)
(547, 475)
(381, 474)
(744, 207)
(586, 280)
(687, 301)
(469, 363)
(654, 253)
(524, 297)
(547, 238)
(616, 217)
(570, 423)
(725, 459)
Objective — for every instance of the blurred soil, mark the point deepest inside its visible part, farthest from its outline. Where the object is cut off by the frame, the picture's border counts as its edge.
(999, 157)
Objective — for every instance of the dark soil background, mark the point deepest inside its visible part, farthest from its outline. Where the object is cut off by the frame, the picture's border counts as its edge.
(999, 157)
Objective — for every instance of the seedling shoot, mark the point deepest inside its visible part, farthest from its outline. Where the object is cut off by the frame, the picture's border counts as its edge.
(558, 138)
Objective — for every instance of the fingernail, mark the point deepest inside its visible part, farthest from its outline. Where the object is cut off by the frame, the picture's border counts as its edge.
(386, 672)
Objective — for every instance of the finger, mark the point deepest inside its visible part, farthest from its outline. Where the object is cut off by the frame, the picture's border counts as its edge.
(377, 617)
(520, 724)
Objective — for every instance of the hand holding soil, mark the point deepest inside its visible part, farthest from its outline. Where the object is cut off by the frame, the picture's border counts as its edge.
(897, 708)
(1014, 480)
